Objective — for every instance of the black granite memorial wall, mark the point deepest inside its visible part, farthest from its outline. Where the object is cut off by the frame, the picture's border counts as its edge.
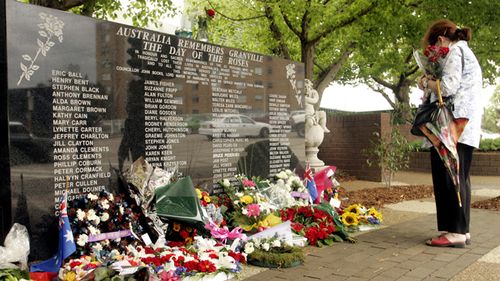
(83, 98)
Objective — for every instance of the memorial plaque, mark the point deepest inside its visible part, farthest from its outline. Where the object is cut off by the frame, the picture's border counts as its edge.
(82, 99)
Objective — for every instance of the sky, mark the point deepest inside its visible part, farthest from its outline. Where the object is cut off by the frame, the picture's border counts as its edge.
(362, 98)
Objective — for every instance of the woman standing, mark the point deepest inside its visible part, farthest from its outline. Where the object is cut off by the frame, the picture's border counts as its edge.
(461, 79)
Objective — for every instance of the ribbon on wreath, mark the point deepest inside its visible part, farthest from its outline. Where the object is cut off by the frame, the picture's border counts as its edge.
(302, 195)
(223, 233)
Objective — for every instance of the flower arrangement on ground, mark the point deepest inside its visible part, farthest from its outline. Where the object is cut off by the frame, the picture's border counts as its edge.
(180, 234)
(356, 215)
(287, 189)
(273, 252)
(205, 257)
(104, 222)
(251, 209)
(314, 224)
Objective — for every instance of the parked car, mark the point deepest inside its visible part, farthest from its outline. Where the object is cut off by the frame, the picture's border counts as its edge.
(35, 148)
(297, 122)
(234, 124)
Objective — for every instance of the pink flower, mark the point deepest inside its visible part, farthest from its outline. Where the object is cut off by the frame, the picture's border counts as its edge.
(253, 210)
(248, 183)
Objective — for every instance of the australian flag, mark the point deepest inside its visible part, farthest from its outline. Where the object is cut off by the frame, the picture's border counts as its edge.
(66, 243)
(311, 186)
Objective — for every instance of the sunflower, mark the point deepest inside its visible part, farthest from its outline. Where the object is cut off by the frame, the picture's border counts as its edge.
(374, 213)
(354, 208)
(349, 219)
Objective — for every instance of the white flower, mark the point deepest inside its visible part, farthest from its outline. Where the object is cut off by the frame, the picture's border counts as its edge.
(249, 248)
(111, 197)
(226, 183)
(225, 261)
(244, 211)
(91, 215)
(239, 194)
(236, 202)
(265, 246)
(92, 230)
(97, 247)
(80, 214)
(92, 196)
(289, 172)
(122, 210)
(96, 220)
(105, 204)
(256, 243)
(282, 175)
(105, 217)
(204, 244)
(82, 240)
(276, 243)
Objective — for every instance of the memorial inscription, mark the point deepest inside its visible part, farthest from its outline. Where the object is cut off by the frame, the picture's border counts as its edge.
(93, 96)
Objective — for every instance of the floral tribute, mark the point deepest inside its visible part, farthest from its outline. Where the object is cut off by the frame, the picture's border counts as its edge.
(287, 189)
(356, 215)
(314, 224)
(180, 234)
(204, 258)
(273, 252)
(251, 208)
(104, 222)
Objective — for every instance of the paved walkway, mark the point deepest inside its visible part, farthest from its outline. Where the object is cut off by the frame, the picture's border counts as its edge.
(398, 252)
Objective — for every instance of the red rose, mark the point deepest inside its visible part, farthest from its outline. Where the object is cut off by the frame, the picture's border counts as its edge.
(210, 13)
(297, 227)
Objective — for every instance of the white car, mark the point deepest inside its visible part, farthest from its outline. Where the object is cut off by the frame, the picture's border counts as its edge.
(234, 125)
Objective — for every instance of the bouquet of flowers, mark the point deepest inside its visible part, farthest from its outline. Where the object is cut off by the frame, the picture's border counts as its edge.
(252, 210)
(273, 252)
(431, 62)
(104, 222)
(355, 216)
(316, 225)
(287, 189)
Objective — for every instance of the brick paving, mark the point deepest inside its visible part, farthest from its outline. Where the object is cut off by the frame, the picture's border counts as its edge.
(397, 252)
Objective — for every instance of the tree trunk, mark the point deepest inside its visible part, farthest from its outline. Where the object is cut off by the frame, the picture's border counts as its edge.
(308, 51)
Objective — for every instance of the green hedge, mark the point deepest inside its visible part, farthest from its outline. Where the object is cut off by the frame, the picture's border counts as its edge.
(486, 145)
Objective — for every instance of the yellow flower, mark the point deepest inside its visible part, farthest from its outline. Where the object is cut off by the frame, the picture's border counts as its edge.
(188, 240)
(354, 208)
(207, 199)
(198, 192)
(349, 219)
(70, 276)
(247, 199)
(374, 213)
(177, 227)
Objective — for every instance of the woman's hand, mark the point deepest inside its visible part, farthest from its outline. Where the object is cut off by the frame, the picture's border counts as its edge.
(423, 82)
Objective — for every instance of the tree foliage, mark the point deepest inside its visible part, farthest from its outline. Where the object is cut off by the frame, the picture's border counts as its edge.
(353, 41)
(491, 116)
(141, 12)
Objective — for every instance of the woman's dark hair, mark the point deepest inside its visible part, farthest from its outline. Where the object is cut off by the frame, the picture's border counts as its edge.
(445, 28)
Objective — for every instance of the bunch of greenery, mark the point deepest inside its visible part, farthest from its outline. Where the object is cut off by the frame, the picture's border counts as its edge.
(390, 153)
